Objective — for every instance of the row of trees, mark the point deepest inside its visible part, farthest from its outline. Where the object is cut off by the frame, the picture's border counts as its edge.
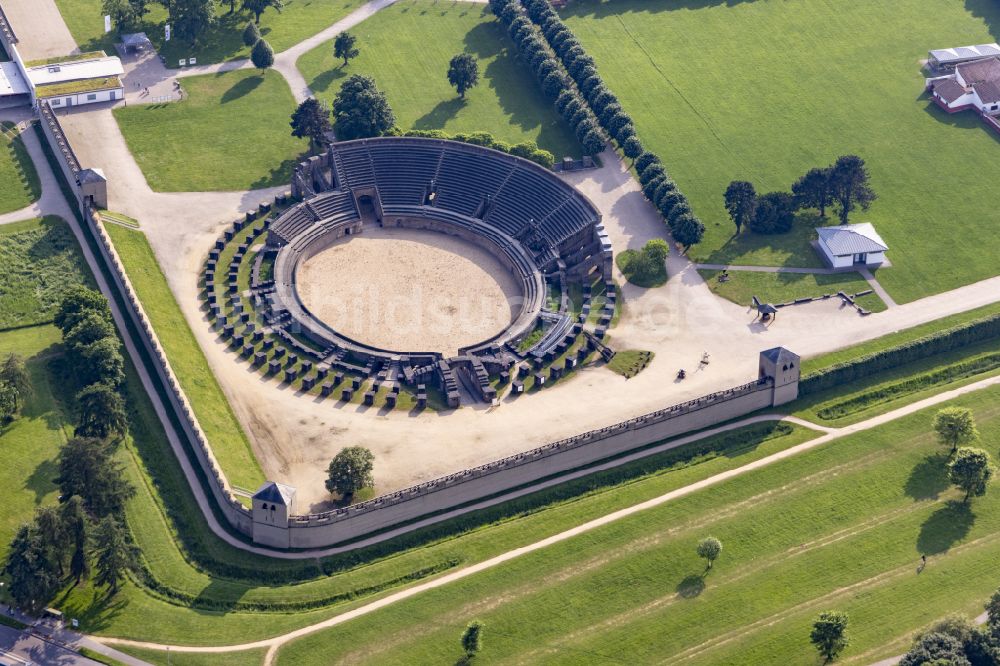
(662, 191)
(189, 19)
(541, 59)
(15, 388)
(261, 53)
(62, 542)
(845, 184)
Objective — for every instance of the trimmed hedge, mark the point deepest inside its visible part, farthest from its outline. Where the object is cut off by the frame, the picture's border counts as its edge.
(529, 150)
(605, 106)
(979, 330)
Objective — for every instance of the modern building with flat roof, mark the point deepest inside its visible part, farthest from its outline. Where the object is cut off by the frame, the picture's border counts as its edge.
(849, 245)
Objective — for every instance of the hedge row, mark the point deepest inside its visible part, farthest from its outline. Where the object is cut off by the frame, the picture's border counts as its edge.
(979, 330)
(656, 184)
(529, 150)
(555, 83)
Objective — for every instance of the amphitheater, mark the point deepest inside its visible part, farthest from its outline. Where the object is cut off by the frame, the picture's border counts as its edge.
(509, 257)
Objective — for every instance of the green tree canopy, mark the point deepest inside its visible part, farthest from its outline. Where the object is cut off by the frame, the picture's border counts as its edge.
(90, 327)
(741, 202)
(190, 19)
(262, 55)
(971, 470)
(361, 110)
(8, 402)
(814, 190)
(100, 362)
(87, 469)
(78, 301)
(344, 47)
(829, 634)
(775, 213)
(311, 120)
(14, 373)
(955, 427)
(709, 549)
(34, 578)
(935, 648)
(251, 33)
(102, 412)
(114, 554)
(463, 73)
(350, 470)
(257, 7)
(849, 183)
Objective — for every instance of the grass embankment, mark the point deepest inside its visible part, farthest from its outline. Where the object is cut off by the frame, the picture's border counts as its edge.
(19, 183)
(160, 658)
(771, 112)
(297, 20)
(39, 260)
(229, 133)
(841, 526)
(742, 286)
(630, 362)
(225, 434)
(411, 67)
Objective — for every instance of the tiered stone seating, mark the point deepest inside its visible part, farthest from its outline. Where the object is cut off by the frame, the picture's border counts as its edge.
(331, 205)
(403, 177)
(290, 224)
(466, 179)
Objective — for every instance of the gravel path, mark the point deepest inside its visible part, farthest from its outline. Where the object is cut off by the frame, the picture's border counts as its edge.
(52, 198)
(831, 435)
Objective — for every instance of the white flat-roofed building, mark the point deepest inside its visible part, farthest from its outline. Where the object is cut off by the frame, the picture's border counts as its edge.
(850, 245)
(950, 58)
(11, 81)
(73, 82)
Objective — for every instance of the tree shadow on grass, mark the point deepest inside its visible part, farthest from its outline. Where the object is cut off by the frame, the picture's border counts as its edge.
(945, 527)
(928, 479)
(691, 586)
(95, 612)
(41, 480)
(242, 88)
(324, 81)
(440, 114)
(278, 176)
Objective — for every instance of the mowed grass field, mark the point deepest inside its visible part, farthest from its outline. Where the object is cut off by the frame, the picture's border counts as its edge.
(230, 133)
(406, 47)
(764, 90)
(39, 260)
(229, 442)
(742, 286)
(297, 20)
(841, 526)
(19, 184)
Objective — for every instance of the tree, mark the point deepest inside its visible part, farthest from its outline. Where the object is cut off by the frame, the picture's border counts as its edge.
(687, 229)
(258, 7)
(971, 470)
(34, 579)
(829, 634)
(592, 142)
(311, 120)
(361, 109)
(775, 213)
(122, 14)
(935, 648)
(91, 327)
(955, 427)
(75, 303)
(472, 639)
(87, 469)
(849, 183)
(657, 250)
(74, 521)
(262, 55)
(644, 160)
(709, 549)
(741, 202)
(463, 73)
(8, 403)
(993, 611)
(343, 47)
(251, 33)
(102, 412)
(15, 374)
(100, 362)
(113, 553)
(632, 148)
(813, 190)
(350, 470)
(190, 19)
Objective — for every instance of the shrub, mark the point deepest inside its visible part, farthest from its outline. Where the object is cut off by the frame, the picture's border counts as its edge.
(524, 149)
(543, 157)
(775, 213)
(251, 34)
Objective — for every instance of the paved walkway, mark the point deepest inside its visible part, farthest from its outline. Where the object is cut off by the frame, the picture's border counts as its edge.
(831, 435)
(52, 197)
(874, 284)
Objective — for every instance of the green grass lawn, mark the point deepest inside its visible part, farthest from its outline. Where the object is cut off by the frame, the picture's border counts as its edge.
(31, 442)
(19, 184)
(224, 432)
(39, 260)
(764, 90)
(230, 133)
(407, 46)
(841, 526)
(742, 286)
(160, 658)
(298, 20)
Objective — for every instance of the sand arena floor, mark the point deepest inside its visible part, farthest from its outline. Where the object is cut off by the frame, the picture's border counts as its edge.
(409, 290)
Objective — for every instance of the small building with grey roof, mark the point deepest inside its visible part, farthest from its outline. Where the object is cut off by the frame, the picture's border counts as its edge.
(851, 245)
(950, 58)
